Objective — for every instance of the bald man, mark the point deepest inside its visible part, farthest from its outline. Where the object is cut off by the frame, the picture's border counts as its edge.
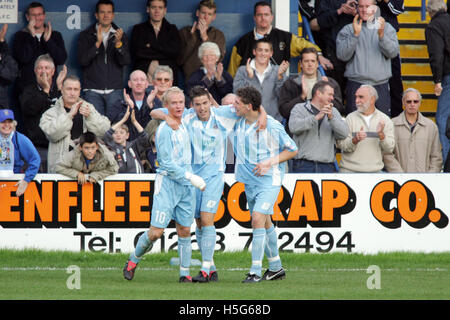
(138, 84)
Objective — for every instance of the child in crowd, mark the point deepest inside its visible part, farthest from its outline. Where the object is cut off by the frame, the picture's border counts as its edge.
(127, 153)
(89, 162)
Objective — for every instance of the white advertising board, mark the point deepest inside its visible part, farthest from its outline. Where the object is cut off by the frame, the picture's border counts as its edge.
(363, 213)
(8, 11)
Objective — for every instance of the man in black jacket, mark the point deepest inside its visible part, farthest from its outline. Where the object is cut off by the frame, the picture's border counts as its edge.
(103, 53)
(8, 69)
(437, 35)
(332, 16)
(139, 97)
(37, 38)
(35, 99)
(156, 40)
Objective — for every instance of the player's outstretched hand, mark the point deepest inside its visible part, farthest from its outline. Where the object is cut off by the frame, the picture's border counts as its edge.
(196, 181)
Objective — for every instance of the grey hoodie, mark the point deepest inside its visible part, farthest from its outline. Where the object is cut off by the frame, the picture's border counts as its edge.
(368, 58)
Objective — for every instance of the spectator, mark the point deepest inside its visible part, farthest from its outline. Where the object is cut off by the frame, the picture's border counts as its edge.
(297, 88)
(127, 152)
(285, 44)
(36, 39)
(368, 45)
(316, 125)
(152, 155)
(37, 98)
(211, 75)
(151, 70)
(89, 162)
(17, 153)
(162, 81)
(389, 10)
(437, 34)
(200, 32)
(139, 96)
(332, 16)
(308, 10)
(103, 53)
(371, 135)
(417, 147)
(67, 119)
(8, 68)
(260, 167)
(156, 40)
(263, 76)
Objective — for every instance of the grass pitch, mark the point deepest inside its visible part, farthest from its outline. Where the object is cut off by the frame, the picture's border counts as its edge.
(39, 275)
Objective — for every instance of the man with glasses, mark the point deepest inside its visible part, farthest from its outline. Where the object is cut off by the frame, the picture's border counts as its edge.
(103, 54)
(36, 39)
(162, 81)
(417, 147)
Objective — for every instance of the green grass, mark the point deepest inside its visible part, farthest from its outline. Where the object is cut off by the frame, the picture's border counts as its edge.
(39, 275)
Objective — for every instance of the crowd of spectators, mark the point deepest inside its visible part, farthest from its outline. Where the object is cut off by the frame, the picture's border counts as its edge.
(348, 96)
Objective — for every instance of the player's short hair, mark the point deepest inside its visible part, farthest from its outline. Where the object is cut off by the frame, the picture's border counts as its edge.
(210, 4)
(261, 4)
(198, 91)
(87, 137)
(44, 57)
(249, 95)
(320, 86)
(208, 45)
(169, 92)
(107, 2)
(32, 5)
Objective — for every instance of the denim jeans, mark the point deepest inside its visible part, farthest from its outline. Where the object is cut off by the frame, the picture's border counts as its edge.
(442, 113)
(306, 166)
(102, 102)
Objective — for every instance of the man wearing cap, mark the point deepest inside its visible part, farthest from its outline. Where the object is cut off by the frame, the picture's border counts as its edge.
(16, 151)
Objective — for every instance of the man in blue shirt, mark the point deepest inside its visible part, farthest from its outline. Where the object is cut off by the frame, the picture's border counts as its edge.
(174, 194)
(260, 165)
(16, 152)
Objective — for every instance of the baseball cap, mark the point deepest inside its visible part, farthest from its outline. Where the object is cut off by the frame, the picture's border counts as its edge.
(6, 114)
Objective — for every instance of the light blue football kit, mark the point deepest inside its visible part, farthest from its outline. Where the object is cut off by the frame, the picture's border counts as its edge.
(174, 196)
(209, 147)
(252, 147)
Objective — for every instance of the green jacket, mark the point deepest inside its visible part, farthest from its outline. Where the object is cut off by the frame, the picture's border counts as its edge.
(100, 167)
